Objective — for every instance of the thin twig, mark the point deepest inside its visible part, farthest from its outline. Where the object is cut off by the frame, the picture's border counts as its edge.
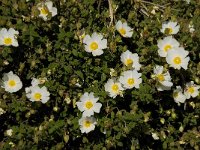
(157, 4)
(99, 4)
(111, 12)
(153, 4)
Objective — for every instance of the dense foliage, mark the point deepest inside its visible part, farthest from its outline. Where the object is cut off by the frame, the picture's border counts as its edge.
(53, 51)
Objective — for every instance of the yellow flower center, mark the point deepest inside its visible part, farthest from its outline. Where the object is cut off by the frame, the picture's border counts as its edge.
(115, 87)
(87, 124)
(122, 31)
(88, 104)
(129, 61)
(8, 41)
(161, 77)
(131, 81)
(167, 47)
(168, 30)
(11, 83)
(177, 60)
(37, 96)
(175, 94)
(44, 10)
(94, 46)
(191, 90)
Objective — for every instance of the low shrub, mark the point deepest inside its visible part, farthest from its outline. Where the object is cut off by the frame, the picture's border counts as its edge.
(106, 74)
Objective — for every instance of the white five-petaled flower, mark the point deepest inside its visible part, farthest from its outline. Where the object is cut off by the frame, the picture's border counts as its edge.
(9, 132)
(46, 8)
(95, 44)
(130, 79)
(11, 82)
(37, 93)
(124, 29)
(87, 124)
(8, 37)
(166, 44)
(155, 136)
(170, 27)
(177, 58)
(35, 82)
(191, 27)
(130, 59)
(178, 95)
(191, 90)
(113, 87)
(163, 78)
(88, 104)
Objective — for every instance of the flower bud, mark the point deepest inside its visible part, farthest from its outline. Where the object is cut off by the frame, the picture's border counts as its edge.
(168, 112)
(55, 108)
(162, 120)
(173, 115)
(66, 138)
(181, 128)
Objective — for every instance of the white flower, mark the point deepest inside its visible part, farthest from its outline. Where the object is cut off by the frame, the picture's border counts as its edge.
(36, 93)
(45, 9)
(163, 78)
(178, 95)
(8, 37)
(88, 104)
(130, 59)
(9, 132)
(35, 82)
(191, 28)
(114, 88)
(177, 58)
(11, 82)
(95, 44)
(87, 124)
(124, 29)
(166, 45)
(172, 27)
(130, 79)
(191, 90)
(2, 111)
(155, 136)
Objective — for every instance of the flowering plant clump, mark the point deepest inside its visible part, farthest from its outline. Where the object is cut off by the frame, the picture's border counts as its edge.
(107, 74)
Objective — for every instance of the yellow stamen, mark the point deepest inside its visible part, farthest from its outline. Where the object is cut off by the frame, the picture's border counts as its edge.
(167, 47)
(175, 94)
(12, 83)
(37, 96)
(131, 81)
(168, 31)
(129, 62)
(94, 46)
(87, 124)
(7, 41)
(177, 60)
(191, 90)
(44, 10)
(160, 77)
(88, 104)
(122, 31)
(115, 87)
